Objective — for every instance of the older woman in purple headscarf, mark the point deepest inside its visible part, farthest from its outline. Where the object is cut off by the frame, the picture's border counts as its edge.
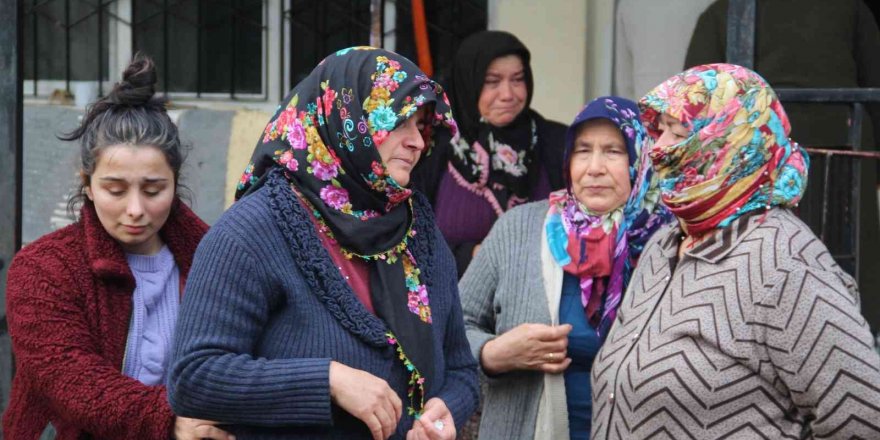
(543, 290)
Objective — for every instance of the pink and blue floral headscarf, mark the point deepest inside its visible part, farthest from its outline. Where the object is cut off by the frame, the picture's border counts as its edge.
(324, 140)
(603, 249)
(737, 158)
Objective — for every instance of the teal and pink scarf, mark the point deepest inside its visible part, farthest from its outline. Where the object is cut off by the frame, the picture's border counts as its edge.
(601, 250)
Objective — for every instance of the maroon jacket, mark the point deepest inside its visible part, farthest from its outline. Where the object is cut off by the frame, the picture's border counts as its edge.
(68, 303)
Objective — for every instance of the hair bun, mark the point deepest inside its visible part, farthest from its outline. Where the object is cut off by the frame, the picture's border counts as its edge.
(138, 83)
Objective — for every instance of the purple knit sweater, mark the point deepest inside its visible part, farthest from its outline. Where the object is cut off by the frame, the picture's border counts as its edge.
(465, 217)
(154, 314)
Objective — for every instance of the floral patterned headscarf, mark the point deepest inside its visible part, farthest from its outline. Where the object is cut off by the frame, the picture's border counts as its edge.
(737, 158)
(324, 139)
(498, 164)
(601, 250)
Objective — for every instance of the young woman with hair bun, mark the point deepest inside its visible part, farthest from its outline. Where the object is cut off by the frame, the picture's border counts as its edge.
(92, 307)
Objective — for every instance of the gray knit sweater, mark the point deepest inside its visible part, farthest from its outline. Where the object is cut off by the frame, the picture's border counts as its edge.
(503, 288)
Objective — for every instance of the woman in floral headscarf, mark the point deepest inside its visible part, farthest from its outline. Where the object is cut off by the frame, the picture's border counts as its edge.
(738, 322)
(507, 153)
(324, 304)
(542, 292)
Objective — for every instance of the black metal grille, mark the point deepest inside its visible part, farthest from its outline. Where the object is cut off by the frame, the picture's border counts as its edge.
(204, 46)
(218, 47)
(837, 174)
(66, 40)
(200, 46)
(317, 28)
(449, 22)
(834, 172)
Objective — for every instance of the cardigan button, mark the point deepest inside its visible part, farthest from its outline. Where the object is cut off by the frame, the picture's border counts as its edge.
(611, 398)
(635, 336)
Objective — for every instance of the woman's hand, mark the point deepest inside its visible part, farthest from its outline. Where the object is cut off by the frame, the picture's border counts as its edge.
(366, 397)
(186, 428)
(435, 423)
(528, 347)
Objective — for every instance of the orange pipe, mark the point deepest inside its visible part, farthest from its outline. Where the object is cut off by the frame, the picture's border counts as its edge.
(420, 32)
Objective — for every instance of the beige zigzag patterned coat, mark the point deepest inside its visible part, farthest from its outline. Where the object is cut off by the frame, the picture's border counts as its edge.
(755, 334)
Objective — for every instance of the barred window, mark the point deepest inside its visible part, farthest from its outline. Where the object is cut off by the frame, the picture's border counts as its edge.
(227, 49)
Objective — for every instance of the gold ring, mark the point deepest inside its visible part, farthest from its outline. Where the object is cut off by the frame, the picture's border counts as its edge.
(550, 356)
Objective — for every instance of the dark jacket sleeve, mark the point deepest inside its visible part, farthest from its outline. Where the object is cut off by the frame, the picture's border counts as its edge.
(228, 301)
(55, 346)
(709, 41)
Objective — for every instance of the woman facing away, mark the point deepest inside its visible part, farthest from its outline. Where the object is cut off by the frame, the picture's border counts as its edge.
(507, 153)
(323, 304)
(544, 289)
(92, 307)
(738, 322)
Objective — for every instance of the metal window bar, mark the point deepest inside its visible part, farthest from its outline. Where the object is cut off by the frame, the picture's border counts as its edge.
(282, 21)
(449, 22)
(857, 98)
(741, 32)
(37, 10)
(741, 22)
(458, 8)
(63, 21)
(318, 28)
(313, 37)
(237, 14)
(11, 167)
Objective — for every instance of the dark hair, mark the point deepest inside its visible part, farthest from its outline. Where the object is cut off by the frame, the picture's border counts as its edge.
(130, 114)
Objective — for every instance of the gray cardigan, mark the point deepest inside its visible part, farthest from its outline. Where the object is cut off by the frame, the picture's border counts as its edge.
(502, 288)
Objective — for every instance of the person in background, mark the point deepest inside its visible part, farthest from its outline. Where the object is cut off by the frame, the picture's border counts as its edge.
(738, 322)
(810, 44)
(323, 303)
(544, 289)
(507, 153)
(647, 50)
(92, 307)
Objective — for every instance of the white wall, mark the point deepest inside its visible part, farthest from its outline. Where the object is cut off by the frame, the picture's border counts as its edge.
(555, 32)
(600, 47)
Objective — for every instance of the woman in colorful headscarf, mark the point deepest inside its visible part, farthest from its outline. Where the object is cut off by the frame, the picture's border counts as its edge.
(324, 303)
(507, 153)
(544, 289)
(738, 322)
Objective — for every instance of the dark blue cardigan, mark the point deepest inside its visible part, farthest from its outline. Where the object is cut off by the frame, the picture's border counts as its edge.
(266, 310)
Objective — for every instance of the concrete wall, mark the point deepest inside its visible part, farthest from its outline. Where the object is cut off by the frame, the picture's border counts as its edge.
(600, 47)
(555, 31)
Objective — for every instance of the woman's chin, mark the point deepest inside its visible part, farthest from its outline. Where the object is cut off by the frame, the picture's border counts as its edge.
(502, 120)
(596, 207)
(402, 178)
